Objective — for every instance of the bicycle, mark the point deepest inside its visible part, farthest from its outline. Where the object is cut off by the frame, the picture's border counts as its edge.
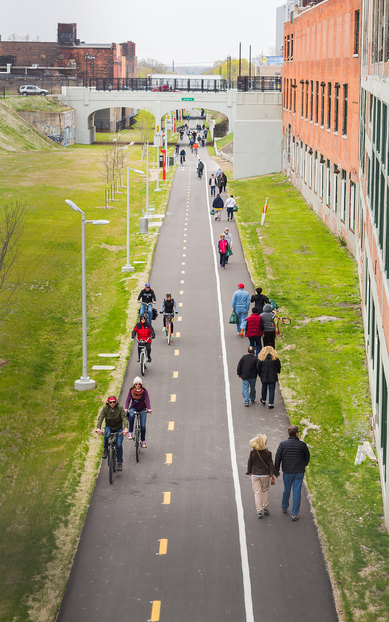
(112, 454)
(277, 320)
(145, 314)
(142, 356)
(137, 441)
(168, 326)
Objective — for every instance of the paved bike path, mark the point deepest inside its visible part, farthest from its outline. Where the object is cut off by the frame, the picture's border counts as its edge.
(145, 554)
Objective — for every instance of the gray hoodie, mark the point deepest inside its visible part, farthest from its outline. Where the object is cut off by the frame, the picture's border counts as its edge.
(267, 317)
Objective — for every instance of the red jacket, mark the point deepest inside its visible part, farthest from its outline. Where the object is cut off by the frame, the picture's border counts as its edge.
(222, 246)
(253, 326)
(143, 333)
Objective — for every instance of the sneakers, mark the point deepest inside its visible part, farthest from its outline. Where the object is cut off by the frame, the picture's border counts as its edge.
(252, 401)
(246, 404)
(105, 454)
(241, 334)
(263, 402)
(119, 466)
(164, 330)
(284, 511)
(271, 405)
(130, 436)
(293, 517)
(260, 515)
(266, 511)
(137, 360)
(144, 444)
(149, 360)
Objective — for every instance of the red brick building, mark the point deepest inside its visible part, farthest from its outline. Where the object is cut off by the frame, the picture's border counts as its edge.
(321, 86)
(70, 57)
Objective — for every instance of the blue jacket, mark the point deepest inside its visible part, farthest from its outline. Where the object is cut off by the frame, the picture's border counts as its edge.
(241, 301)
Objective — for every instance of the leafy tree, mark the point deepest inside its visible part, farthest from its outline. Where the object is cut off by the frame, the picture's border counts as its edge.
(150, 65)
(221, 68)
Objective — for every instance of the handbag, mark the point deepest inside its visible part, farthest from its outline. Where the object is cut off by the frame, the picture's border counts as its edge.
(155, 314)
(228, 251)
(212, 212)
(272, 478)
(235, 208)
(273, 304)
(233, 318)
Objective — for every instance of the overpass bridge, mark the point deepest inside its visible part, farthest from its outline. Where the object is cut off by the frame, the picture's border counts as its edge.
(255, 116)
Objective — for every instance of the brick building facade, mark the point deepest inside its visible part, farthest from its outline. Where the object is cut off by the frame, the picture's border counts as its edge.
(373, 246)
(70, 57)
(321, 85)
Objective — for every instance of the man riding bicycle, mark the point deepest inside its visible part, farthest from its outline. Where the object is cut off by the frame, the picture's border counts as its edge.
(138, 402)
(147, 298)
(168, 306)
(144, 333)
(115, 421)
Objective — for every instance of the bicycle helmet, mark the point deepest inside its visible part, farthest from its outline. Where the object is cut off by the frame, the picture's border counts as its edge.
(147, 285)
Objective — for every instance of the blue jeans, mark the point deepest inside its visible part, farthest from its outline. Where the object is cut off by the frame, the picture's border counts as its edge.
(272, 386)
(256, 342)
(213, 190)
(119, 441)
(222, 259)
(294, 480)
(131, 419)
(242, 316)
(248, 390)
(149, 310)
(230, 213)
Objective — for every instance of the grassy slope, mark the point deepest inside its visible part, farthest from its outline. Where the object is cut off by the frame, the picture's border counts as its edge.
(46, 425)
(302, 266)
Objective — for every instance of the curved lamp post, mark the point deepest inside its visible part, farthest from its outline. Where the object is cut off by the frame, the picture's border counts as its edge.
(84, 383)
(128, 267)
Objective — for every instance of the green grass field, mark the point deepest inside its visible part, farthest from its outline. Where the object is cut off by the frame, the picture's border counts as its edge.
(314, 280)
(48, 460)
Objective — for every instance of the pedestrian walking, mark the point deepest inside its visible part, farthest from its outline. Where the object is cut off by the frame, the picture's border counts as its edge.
(218, 205)
(212, 184)
(259, 299)
(268, 327)
(217, 174)
(229, 205)
(223, 179)
(228, 236)
(261, 469)
(222, 247)
(240, 306)
(293, 455)
(268, 368)
(254, 331)
(247, 371)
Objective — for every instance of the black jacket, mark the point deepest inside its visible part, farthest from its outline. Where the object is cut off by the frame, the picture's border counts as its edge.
(268, 369)
(218, 203)
(259, 300)
(147, 297)
(255, 465)
(293, 455)
(247, 367)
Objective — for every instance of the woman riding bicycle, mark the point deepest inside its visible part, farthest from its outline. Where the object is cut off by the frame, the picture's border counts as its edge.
(168, 306)
(115, 421)
(138, 402)
(144, 333)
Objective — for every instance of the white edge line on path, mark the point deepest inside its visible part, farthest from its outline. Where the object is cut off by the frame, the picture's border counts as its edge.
(238, 495)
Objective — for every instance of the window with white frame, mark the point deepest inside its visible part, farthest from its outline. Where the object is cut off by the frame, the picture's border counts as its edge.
(352, 206)
(335, 201)
(328, 183)
(343, 197)
(316, 174)
(321, 186)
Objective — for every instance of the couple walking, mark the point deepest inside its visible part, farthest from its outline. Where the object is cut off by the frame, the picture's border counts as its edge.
(267, 367)
(293, 456)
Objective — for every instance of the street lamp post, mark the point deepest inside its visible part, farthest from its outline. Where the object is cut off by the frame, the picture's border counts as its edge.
(84, 383)
(128, 267)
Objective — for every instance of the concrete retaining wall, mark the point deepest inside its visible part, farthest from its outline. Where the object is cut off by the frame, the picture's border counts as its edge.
(58, 126)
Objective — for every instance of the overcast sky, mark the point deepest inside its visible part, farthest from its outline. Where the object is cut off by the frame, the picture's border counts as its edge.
(203, 31)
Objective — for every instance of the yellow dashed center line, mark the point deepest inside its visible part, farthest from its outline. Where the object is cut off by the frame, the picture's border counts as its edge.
(180, 304)
(182, 282)
(155, 611)
(162, 546)
(173, 397)
(178, 335)
(182, 271)
(183, 263)
(181, 291)
(170, 426)
(169, 459)
(166, 498)
(179, 318)
(184, 254)
(175, 374)
(176, 353)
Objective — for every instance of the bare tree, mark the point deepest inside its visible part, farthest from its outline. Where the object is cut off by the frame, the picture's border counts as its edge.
(11, 228)
(106, 165)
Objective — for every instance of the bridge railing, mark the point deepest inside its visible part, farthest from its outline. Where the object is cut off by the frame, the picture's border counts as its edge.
(171, 85)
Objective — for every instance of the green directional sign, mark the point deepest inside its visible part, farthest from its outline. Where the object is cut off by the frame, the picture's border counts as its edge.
(187, 99)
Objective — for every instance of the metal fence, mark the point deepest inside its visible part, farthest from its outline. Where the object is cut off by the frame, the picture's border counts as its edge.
(243, 83)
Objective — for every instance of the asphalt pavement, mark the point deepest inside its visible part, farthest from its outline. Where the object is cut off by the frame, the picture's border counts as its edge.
(176, 538)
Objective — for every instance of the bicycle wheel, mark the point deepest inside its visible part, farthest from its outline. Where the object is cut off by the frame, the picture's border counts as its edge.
(142, 362)
(286, 320)
(137, 443)
(110, 464)
(279, 334)
(169, 333)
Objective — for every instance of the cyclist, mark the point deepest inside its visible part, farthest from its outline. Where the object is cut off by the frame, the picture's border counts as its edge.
(143, 331)
(115, 421)
(168, 306)
(138, 401)
(147, 298)
(182, 156)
